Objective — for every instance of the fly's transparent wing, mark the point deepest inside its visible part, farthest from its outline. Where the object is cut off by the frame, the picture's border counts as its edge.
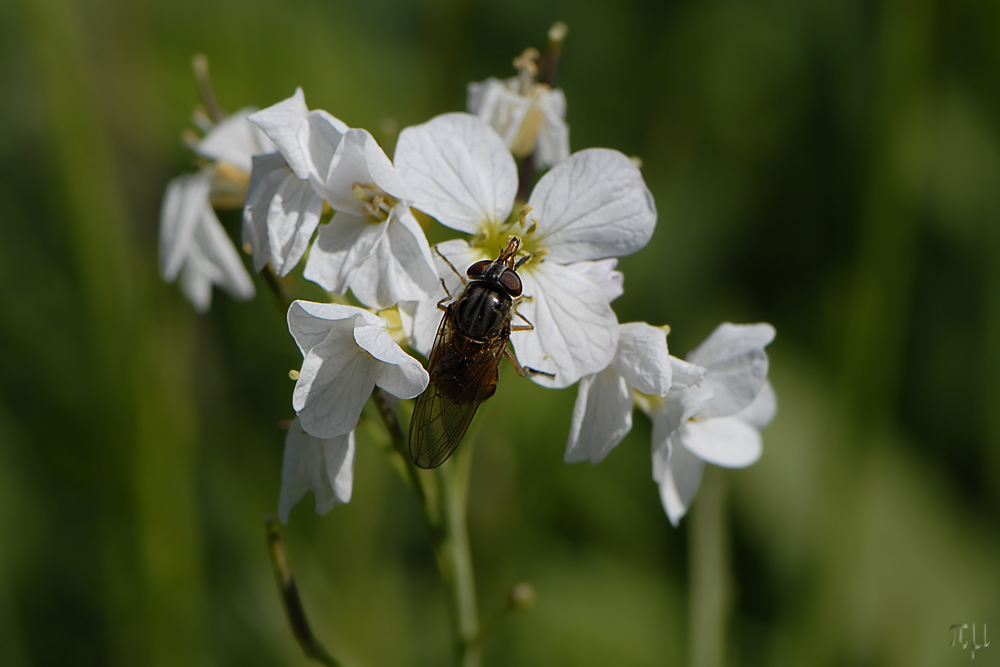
(463, 374)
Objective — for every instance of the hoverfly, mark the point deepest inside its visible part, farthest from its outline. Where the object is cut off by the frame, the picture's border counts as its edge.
(464, 363)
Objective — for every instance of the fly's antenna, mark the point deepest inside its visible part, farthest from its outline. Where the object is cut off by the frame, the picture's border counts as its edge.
(507, 256)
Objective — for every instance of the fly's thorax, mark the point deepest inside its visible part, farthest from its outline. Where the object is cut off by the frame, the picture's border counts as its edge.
(482, 311)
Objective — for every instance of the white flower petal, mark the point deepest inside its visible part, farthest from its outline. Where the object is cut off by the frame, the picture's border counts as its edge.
(323, 466)
(399, 374)
(676, 408)
(421, 320)
(499, 106)
(678, 472)
(358, 160)
(458, 170)
(726, 441)
(642, 358)
(576, 332)
(235, 140)
(737, 365)
(593, 205)
(217, 251)
(602, 274)
(334, 383)
(453, 259)
(686, 374)
(341, 246)
(762, 410)
(602, 416)
(184, 204)
(196, 286)
(281, 123)
(268, 175)
(320, 136)
(310, 322)
(292, 216)
(400, 268)
(553, 136)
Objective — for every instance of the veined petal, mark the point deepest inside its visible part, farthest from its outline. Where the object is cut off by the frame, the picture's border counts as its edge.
(310, 322)
(458, 170)
(292, 216)
(498, 106)
(281, 123)
(677, 407)
(358, 160)
(214, 246)
(235, 140)
(686, 374)
(398, 373)
(576, 332)
(269, 174)
(341, 246)
(727, 441)
(737, 365)
(553, 137)
(420, 320)
(642, 358)
(593, 205)
(323, 466)
(334, 383)
(602, 416)
(678, 472)
(184, 204)
(602, 273)
(762, 410)
(399, 269)
(319, 136)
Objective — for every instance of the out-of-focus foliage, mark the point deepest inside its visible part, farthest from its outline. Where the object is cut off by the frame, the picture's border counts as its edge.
(830, 167)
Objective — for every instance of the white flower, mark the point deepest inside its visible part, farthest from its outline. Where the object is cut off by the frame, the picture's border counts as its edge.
(283, 207)
(592, 206)
(347, 352)
(529, 116)
(373, 245)
(195, 246)
(193, 243)
(715, 420)
(602, 415)
(323, 466)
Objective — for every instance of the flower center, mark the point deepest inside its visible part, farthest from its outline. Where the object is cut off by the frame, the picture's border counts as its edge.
(377, 204)
(494, 237)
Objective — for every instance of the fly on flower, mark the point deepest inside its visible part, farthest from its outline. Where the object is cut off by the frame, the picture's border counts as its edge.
(464, 363)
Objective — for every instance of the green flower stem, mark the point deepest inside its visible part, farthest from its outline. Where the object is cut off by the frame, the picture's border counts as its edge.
(442, 494)
(710, 574)
(291, 601)
(451, 547)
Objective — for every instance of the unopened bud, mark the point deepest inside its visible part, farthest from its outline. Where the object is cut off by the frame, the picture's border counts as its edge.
(293, 374)
(558, 32)
(521, 596)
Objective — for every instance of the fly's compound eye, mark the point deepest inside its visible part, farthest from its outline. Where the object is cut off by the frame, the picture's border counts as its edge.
(478, 270)
(511, 282)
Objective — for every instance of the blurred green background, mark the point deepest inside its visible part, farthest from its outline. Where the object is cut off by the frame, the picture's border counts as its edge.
(832, 167)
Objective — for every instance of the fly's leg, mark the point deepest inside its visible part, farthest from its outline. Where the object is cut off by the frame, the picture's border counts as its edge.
(452, 266)
(527, 326)
(524, 371)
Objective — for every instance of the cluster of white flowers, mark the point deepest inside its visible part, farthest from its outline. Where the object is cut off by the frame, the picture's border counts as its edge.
(326, 192)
